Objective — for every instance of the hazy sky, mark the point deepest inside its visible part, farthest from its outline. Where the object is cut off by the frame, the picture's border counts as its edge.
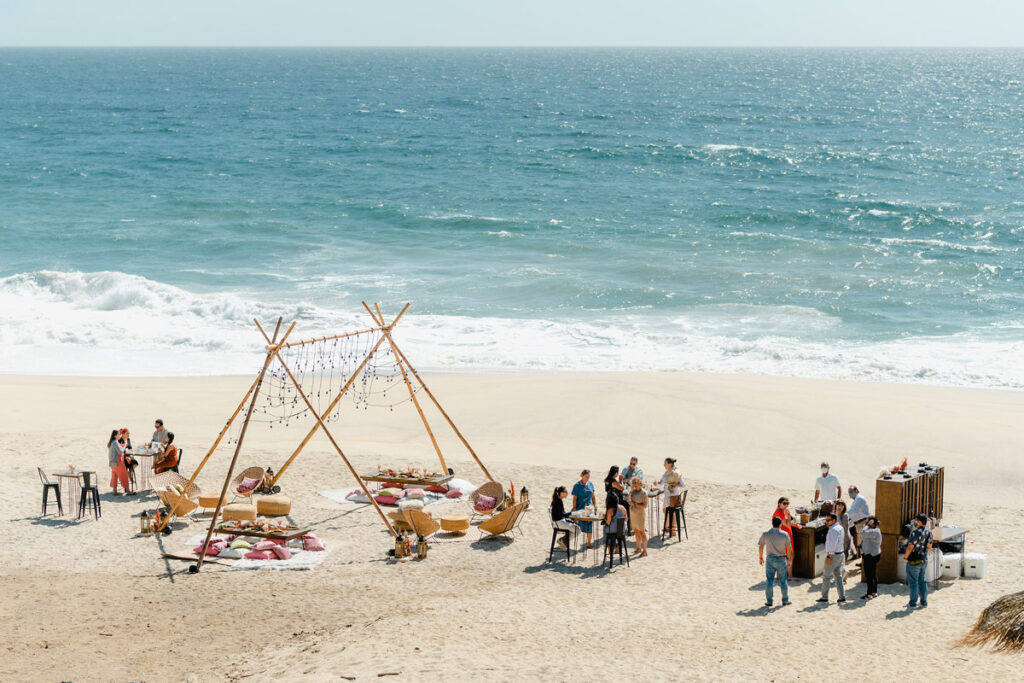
(519, 22)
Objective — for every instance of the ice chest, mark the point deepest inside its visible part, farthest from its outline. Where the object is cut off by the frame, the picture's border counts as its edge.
(951, 566)
(974, 565)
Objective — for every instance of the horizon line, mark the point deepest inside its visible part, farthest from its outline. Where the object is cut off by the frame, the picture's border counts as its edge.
(529, 47)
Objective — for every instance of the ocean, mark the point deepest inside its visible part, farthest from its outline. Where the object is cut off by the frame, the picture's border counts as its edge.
(854, 214)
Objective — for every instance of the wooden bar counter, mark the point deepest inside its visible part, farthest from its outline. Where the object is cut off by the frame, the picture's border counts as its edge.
(805, 540)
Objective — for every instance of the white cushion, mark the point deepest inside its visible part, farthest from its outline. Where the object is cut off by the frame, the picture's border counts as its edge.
(408, 503)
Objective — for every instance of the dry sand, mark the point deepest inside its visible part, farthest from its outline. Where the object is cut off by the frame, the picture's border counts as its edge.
(89, 601)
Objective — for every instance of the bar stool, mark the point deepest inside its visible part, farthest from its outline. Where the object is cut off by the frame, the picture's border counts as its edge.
(92, 500)
(678, 515)
(47, 487)
(616, 541)
(568, 548)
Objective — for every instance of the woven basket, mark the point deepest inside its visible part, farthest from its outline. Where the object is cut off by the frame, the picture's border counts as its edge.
(276, 505)
(237, 512)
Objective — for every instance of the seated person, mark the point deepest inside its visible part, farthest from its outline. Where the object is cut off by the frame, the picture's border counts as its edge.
(169, 457)
(559, 517)
(158, 434)
(614, 517)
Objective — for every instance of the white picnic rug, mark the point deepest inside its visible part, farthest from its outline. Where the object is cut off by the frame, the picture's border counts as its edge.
(301, 560)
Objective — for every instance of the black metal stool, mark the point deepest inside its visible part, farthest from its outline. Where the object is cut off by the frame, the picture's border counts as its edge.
(47, 487)
(617, 541)
(90, 496)
(678, 515)
(568, 544)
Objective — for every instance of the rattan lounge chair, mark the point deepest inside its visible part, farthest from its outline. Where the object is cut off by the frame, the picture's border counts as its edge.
(505, 522)
(180, 505)
(421, 523)
(492, 489)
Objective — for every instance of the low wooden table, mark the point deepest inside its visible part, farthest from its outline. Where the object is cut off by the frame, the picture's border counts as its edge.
(408, 481)
(279, 535)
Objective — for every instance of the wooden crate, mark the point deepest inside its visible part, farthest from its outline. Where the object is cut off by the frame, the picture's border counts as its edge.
(887, 572)
(897, 500)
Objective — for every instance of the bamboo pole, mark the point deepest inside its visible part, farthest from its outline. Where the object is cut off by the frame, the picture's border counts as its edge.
(330, 338)
(337, 398)
(241, 437)
(202, 463)
(412, 394)
(334, 443)
(437, 404)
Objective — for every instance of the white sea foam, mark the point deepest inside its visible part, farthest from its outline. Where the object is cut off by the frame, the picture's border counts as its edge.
(110, 323)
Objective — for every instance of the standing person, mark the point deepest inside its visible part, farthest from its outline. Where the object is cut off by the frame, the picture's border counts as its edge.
(559, 517)
(613, 487)
(638, 514)
(633, 470)
(844, 520)
(826, 487)
(871, 551)
(782, 512)
(673, 485)
(858, 516)
(779, 561)
(115, 458)
(582, 497)
(835, 557)
(918, 546)
(159, 433)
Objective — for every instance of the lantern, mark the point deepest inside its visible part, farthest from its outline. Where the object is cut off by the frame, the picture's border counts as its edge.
(144, 523)
(421, 548)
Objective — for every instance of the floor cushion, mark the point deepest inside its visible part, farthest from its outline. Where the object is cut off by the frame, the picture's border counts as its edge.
(276, 505)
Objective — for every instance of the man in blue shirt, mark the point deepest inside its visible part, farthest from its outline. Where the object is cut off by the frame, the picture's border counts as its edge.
(918, 547)
(835, 558)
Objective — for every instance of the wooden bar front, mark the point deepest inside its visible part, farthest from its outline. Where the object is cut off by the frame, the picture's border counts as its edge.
(805, 539)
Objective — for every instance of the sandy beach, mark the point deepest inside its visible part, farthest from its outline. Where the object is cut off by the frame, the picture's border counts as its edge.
(91, 601)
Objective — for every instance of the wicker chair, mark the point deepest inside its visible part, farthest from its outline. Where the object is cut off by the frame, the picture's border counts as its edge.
(505, 522)
(421, 523)
(492, 489)
(251, 473)
(180, 505)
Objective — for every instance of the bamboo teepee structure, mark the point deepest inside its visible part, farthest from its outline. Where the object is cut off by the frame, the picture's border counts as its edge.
(410, 378)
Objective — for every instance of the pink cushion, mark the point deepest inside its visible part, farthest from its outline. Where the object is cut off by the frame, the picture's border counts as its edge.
(415, 493)
(311, 542)
(394, 485)
(282, 553)
(212, 549)
(437, 489)
(261, 555)
(454, 493)
(386, 500)
(248, 484)
(265, 544)
(485, 502)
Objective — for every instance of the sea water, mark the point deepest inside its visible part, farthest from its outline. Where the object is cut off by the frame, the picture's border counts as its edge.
(824, 213)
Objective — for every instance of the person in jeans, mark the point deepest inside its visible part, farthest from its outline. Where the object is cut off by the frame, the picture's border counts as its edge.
(871, 553)
(918, 547)
(775, 542)
(835, 558)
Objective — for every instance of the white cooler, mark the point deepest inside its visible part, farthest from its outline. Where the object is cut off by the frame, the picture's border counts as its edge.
(974, 565)
(819, 560)
(951, 566)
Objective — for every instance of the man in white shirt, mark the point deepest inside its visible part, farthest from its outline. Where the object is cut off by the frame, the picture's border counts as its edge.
(835, 559)
(826, 487)
(858, 515)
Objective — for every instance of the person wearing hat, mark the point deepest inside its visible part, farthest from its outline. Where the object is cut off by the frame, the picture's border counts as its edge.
(826, 487)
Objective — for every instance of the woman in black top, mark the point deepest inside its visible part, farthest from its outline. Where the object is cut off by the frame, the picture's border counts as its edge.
(614, 488)
(559, 517)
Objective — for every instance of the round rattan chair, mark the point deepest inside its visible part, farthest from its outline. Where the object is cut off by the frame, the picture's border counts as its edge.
(492, 489)
(250, 473)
